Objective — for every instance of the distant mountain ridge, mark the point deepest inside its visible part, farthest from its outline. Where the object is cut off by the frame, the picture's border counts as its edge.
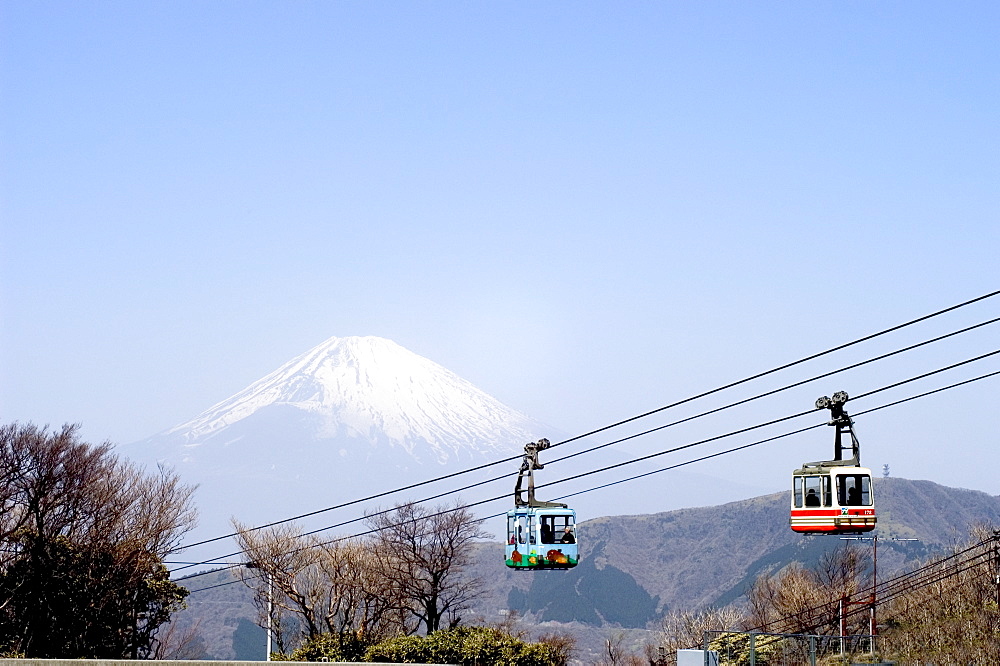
(706, 556)
(636, 568)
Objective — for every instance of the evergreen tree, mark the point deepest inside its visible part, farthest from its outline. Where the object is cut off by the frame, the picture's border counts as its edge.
(82, 540)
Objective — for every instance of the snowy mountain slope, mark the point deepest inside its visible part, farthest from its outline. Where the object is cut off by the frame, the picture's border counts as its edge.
(349, 418)
(355, 417)
(373, 390)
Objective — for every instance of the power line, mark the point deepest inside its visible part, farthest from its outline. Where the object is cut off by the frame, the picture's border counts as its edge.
(909, 581)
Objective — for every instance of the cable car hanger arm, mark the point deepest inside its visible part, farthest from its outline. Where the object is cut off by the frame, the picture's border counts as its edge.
(841, 420)
(528, 466)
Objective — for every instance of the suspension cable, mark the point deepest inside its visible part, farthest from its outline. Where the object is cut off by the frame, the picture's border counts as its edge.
(590, 472)
(662, 427)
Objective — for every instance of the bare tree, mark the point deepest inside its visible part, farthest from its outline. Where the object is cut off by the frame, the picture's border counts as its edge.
(686, 630)
(800, 600)
(281, 570)
(363, 606)
(334, 587)
(426, 552)
(616, 653)
(175, 642)
(950, 612)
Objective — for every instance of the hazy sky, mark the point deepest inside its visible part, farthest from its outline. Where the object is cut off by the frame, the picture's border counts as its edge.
(586, 209)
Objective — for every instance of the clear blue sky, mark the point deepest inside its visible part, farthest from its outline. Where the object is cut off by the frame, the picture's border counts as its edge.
(586, 209)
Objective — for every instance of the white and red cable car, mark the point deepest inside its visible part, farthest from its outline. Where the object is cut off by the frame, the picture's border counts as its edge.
(834, 496)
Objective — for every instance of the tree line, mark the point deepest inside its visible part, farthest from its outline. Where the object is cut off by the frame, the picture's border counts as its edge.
(84, 535)
(398, 594)
(947, 610)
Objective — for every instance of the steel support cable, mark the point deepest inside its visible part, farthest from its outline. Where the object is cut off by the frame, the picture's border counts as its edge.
(672, 450)
(887, 586)
(904, 578)
(934, 569)
(620, 440)
(782, 367)
(965, 567)
(619, 423)
(570, 478)
(473, 504)
(829, 607)
(901, 579)
(930, 573)
(913, 585)
(853, 366)
(867, 411)
(937, 576)
(787, 434)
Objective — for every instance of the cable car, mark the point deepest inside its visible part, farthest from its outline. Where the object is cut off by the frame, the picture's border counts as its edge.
(540, 535)
(834, 496)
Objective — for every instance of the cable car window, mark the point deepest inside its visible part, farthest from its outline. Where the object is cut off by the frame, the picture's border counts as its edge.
(854, 490)
(812, 491)
(548, 529)
(557, 529)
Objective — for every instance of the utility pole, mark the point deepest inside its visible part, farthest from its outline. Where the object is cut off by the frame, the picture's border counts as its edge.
(872, 626)
(872, 600)
(843, 625)
(996, 561)
(270, 604)
(270, 613)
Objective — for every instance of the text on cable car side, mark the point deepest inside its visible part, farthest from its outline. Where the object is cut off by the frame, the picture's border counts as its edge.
(834, 496)
(540, 535)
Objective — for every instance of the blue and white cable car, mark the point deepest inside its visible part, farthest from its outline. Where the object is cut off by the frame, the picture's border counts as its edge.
(540, 535)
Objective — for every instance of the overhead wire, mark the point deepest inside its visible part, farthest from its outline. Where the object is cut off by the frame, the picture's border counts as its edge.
(667, 451)
(771, 439)
(907, 582)
(787, 365)
(672, 450)
(628, 420)
(656, 429)
(600, 446)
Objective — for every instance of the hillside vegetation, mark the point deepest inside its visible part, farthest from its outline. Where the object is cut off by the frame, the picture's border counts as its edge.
(637, 568)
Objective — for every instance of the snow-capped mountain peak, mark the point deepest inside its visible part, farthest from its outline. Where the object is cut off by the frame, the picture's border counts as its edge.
(350, 417)
(373, 390)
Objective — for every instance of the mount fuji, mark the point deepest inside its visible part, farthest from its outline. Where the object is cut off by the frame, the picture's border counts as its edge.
(349, 418)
